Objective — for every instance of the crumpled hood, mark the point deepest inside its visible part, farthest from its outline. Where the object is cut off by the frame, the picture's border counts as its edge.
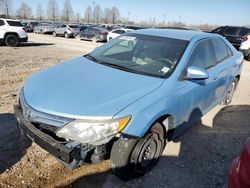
(83, 89)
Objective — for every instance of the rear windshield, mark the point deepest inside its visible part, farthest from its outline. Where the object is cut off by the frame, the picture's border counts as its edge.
(244, 31)
(73, 26)
(231, 30)
(15, 23)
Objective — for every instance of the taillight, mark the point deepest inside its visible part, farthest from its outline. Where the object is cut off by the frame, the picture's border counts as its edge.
(244, 38)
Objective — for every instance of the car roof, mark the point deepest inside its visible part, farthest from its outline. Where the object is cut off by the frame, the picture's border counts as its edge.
(10, 19)
(187, 35)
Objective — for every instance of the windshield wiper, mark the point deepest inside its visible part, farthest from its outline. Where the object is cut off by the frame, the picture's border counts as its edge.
(90, 57)
(117, 66)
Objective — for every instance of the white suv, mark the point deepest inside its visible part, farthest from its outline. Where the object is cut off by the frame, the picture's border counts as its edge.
(12, 32)
(245, 46)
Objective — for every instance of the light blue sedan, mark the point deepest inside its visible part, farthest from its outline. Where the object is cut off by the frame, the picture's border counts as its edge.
(128, 97)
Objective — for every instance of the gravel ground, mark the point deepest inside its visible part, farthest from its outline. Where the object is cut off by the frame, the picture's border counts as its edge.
(198, 158)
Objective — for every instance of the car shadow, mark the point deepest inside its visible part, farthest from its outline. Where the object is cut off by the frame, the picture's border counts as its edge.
(198, 158)
(12, 144)
(32, 44)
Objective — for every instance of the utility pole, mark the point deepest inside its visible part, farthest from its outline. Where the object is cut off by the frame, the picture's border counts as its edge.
(164, 19)
(128, 17)
(93, 11)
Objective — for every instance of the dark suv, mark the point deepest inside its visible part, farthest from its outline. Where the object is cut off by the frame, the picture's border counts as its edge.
(233, 34)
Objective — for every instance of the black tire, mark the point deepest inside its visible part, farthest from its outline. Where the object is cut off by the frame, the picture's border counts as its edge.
(11, 40)
(94, 40)
(66, 35)
(54, 34)
(230, 92)
(131, 158)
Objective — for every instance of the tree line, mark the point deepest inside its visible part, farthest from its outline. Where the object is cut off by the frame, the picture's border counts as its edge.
(92, 14)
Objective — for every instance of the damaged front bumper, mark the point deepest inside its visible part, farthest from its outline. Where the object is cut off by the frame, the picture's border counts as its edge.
(71, 154)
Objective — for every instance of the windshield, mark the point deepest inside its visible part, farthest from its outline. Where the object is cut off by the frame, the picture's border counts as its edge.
(141, 54)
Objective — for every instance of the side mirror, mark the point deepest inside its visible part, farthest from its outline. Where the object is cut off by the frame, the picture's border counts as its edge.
(196, 73)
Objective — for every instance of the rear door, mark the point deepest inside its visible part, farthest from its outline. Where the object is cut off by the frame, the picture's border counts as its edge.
(224, 65)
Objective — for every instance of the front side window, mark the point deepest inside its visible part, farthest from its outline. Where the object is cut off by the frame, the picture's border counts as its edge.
(221, 51)
(141, 54)
(202, 55)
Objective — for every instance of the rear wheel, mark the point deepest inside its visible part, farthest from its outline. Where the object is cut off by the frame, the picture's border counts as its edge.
(229, 96)
(94, 39)
(11, 40)
(66, 35)
(134, 157)
(54, 34)
(77, 37)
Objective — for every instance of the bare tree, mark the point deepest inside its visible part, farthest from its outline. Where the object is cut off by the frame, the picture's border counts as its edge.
(77, 17)
(39, 12)
(87, 14)
(52, 10)
(6, 7)
(115, 14)
(107, 15)
(24, 12)
(98, 13)
(67, 12)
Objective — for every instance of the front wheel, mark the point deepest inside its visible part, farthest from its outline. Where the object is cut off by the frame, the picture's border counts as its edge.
(11, 40)
(134, 157)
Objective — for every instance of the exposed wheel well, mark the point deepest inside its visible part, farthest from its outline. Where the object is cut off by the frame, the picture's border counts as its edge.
(167, 122)
(11, 33)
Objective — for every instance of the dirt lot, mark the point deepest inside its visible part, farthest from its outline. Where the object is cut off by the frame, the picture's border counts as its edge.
(198, 158)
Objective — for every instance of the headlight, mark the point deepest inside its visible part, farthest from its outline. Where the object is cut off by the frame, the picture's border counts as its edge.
(93, 132)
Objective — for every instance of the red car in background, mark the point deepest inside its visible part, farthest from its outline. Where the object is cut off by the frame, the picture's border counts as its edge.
(239, 174)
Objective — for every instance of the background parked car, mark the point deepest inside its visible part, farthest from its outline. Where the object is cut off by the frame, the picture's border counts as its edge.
(233, 34)
(30, 26)
(239, 174)
(245, 46)
(66, 30)
(94, 34)
(44, 28)
(12, 32)
(117, 32)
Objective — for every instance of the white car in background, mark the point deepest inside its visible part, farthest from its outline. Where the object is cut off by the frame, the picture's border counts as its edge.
(245, 46)
(117, 32)
(12, 32)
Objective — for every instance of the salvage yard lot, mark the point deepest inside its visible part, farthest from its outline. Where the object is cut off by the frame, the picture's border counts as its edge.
(198, 158)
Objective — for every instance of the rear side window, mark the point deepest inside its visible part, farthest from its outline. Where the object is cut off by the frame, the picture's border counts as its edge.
(221, 49)
(244, 31)
(14, 23)
(2, 22)
(231, 30)
(202, 56)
